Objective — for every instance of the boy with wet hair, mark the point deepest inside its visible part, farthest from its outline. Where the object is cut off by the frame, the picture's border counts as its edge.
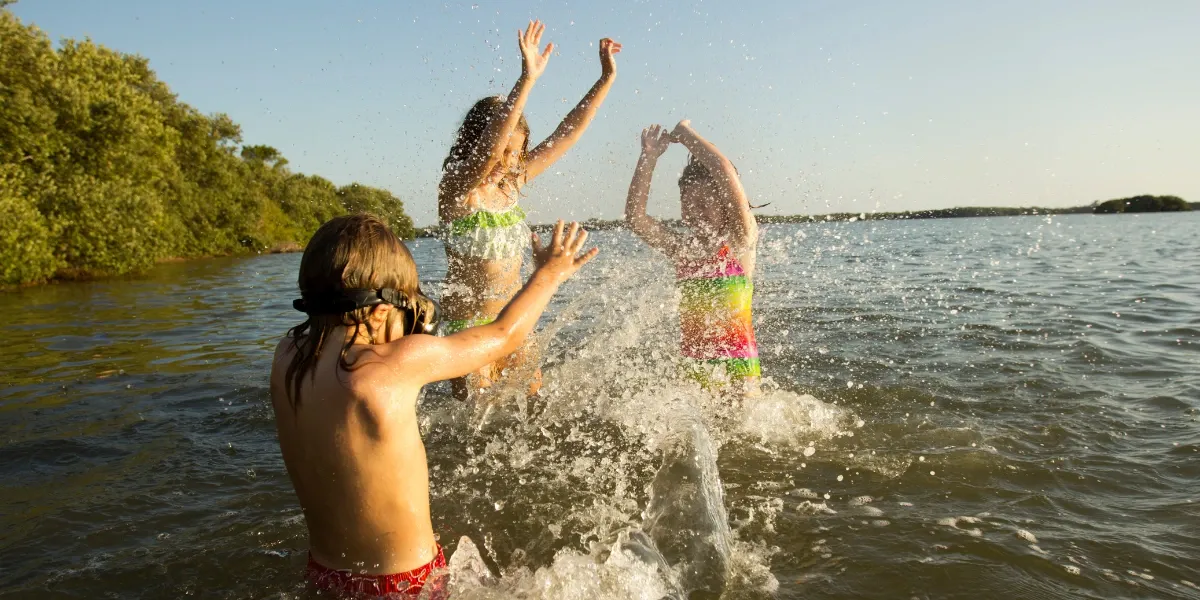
(344, 388)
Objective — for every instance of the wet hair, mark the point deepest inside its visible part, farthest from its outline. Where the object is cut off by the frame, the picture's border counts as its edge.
(346, 253)
(697, 176)
(695, 173)
(467, 143)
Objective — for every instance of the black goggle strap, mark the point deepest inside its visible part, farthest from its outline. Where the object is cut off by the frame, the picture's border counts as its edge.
(348, 300)
(354, 299)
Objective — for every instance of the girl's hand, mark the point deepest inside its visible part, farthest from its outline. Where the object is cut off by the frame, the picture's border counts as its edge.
(561, 258)
(608, 64)
(655, 141)
(681, 129)
(533, 63)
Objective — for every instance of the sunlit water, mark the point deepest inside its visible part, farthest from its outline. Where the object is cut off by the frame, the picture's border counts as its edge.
(960, 408)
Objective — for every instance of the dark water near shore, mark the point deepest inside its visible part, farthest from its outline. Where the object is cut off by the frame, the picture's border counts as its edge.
(962, 408)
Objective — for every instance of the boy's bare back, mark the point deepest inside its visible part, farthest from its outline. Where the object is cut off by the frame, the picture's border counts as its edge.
(354, 452)
(344, 388)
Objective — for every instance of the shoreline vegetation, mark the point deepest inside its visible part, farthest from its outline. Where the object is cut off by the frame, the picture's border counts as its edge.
(104, 171)
(1135, 204)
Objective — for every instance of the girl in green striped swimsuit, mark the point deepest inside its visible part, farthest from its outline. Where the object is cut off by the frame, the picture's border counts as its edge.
(485, 233)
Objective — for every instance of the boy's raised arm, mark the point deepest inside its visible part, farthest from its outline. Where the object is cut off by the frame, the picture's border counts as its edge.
(437, 359)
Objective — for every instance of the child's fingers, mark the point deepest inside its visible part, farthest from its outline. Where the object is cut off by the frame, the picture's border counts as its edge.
(556, 241)
(537, 241)
(587, 257)
(579, 241)
(572, 233)
(549, 49)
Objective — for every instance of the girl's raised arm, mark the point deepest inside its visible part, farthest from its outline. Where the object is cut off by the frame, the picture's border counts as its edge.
(654, 142)
(464, 176)
(725, 175)
(576, 122)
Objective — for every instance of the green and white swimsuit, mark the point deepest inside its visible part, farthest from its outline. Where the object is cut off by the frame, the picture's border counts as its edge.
(487, 235)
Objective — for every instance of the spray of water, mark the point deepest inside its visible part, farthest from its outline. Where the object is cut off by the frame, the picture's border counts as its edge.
(608, 481)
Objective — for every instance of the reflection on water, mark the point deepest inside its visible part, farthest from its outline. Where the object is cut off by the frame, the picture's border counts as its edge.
(959, 408)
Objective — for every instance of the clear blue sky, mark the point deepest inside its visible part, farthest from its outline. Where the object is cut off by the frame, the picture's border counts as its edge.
(824, 106)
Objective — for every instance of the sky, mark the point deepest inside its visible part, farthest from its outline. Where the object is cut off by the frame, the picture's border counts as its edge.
(824, 106)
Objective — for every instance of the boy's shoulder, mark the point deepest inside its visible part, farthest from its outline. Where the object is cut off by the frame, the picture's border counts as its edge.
(284, 349)
(394, 359)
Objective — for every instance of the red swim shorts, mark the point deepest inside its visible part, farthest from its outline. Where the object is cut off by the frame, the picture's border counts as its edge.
(344, 583)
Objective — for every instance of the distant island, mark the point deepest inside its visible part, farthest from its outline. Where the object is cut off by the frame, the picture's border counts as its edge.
(1144, 203)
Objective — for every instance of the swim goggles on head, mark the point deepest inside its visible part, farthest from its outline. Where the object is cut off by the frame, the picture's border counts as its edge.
(421, 315)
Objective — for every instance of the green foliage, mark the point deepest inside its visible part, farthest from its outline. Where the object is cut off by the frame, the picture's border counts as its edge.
(26, 253)
(360, 198)
(263, 154)
(1143, 203)
(104, 171)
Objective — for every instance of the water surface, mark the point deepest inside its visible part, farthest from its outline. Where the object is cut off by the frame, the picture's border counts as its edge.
(960, 408)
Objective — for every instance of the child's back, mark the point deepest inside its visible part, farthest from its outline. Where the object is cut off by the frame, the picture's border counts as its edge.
(344, 387)
(357, 461)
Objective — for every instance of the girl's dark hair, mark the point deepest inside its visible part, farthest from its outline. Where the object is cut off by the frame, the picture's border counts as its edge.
(347, 252)
(467, 142)
(696, 173)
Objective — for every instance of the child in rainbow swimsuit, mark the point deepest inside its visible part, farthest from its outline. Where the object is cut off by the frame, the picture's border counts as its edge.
(714, 259)
(485, 232)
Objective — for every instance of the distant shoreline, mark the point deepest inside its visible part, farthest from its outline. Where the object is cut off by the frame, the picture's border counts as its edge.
(939, 213)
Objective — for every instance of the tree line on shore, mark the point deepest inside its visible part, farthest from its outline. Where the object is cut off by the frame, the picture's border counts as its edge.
(104, 171)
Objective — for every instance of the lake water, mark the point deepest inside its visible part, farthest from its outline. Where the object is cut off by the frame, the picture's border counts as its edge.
(960, 408)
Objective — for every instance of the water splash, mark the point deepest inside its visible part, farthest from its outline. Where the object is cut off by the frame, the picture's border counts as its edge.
(614, 465)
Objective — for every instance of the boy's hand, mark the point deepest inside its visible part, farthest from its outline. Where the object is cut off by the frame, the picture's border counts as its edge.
(608, 64)
(532, 63)
(655, 141)
(561, 258)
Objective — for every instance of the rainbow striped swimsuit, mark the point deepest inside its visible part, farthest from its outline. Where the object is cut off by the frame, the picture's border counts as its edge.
(715, 318)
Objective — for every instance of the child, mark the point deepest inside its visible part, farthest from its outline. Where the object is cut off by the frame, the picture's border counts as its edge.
(714, 260)
(486, 234)
(344, 388)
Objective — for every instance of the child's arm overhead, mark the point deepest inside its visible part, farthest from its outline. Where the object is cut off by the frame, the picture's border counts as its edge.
(724, 173)
(576, 122)
(465, 176)
(439, 358)
(655, 141)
